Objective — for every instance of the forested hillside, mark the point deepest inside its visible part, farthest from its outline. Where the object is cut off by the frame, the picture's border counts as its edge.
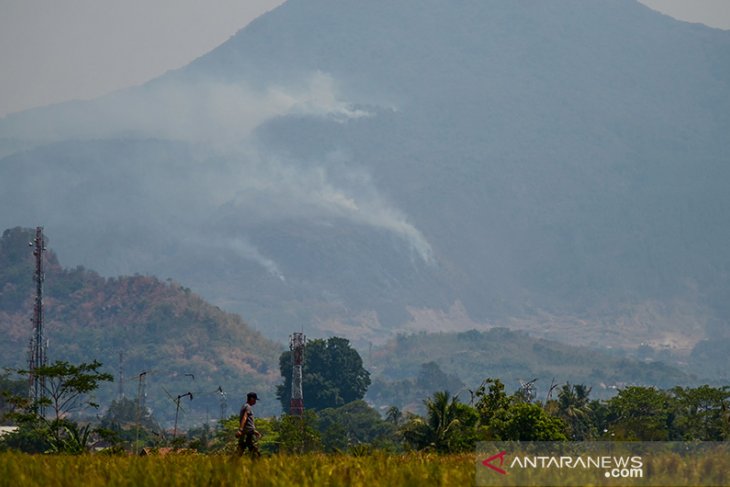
(410, 367)
(183, 343)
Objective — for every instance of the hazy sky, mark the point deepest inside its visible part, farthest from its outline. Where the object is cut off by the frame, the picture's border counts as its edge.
(56, 50)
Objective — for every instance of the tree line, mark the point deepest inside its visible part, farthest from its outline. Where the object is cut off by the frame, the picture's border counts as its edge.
(337, 418)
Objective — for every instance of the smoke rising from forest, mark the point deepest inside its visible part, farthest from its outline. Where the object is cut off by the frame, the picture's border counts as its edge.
(187, 167)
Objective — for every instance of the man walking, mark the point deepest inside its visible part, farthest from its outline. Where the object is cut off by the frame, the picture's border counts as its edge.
(246, 428)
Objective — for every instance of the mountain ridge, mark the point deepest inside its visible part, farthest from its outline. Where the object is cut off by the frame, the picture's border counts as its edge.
(561, 162)
(160, 328)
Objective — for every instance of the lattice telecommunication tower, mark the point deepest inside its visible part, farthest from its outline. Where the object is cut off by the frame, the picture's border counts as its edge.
(38, 346)
(296, 346)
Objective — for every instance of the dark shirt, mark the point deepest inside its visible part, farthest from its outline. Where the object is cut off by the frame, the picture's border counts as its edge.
(249, 426)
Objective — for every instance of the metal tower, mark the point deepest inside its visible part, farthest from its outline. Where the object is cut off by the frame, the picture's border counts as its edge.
(223, 403)
(120, 392)
(296, 346)
(140, 405)
(37, 355)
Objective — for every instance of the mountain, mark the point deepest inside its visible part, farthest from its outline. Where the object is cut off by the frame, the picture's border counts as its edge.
(365, 168)
(160, 328)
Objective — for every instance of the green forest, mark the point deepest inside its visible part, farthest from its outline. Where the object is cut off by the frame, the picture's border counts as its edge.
(338, 420)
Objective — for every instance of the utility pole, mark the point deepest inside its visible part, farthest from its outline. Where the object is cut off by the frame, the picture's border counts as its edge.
(296, 345)
(177, 410)
(223, 404)
(37, 354)
(140, 394)
(120, 393)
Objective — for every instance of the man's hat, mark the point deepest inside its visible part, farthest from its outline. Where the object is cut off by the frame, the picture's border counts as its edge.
(252, 395)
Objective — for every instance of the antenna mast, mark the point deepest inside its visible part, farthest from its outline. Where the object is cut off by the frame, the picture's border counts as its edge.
(140, 405)
(120, 393)
(223, 403)
(37, 355)
(296, 346)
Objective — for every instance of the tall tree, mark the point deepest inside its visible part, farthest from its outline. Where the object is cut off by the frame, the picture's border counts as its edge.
(574, 408)
(491, 398)
(701, 413)
(65, 389)
(124, 413)
(640, 413)
(332, 375)
(431, 379)
(9, 388)
(298, 435)
(524, 421)
(394, 415)
(66, 386)
(355, 423)
(449, 425)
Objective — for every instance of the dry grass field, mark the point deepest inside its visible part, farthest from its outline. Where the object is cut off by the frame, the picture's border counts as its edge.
(315, 470)
(19, 470)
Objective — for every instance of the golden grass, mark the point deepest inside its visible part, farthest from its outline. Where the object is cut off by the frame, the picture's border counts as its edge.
(20, 470)
(313, 470)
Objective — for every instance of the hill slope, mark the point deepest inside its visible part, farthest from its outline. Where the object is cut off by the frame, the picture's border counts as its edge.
(161, 328)
(401, 375)
(353, 165)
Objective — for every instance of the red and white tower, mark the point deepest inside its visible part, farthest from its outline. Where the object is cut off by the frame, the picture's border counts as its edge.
(296, 346)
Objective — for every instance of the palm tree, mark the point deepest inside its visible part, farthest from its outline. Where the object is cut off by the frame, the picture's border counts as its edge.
(446, 426)
(574, 407)
(442, 418)
(394, 415)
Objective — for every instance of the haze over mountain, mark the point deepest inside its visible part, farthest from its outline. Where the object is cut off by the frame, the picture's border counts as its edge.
(364, 167)
(138, 324)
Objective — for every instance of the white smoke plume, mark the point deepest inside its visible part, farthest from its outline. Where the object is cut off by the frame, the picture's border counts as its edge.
(224, 165)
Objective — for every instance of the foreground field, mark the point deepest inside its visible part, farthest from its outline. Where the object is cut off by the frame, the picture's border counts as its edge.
(19, 470)
(185, 470)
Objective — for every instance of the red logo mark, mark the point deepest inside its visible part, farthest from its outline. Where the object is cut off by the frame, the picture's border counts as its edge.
(488, 462)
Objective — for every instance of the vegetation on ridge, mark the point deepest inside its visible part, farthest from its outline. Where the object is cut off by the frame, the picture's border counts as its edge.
(159, 327)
